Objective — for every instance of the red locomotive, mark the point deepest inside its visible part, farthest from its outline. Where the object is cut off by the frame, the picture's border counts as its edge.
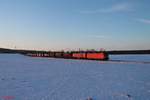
(91, 56)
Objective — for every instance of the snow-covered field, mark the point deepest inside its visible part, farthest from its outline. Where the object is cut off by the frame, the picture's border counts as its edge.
(27, 78)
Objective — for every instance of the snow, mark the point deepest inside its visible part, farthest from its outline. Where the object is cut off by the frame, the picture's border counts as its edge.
(27, 78)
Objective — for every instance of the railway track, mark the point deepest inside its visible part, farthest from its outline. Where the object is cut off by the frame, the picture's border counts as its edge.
(127, 62)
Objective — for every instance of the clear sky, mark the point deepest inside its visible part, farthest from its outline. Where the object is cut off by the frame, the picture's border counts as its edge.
(73, 24)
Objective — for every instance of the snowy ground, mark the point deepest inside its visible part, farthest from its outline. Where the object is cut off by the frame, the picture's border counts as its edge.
(26, 78)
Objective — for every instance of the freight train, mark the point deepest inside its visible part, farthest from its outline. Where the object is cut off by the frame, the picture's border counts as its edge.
(102, 55)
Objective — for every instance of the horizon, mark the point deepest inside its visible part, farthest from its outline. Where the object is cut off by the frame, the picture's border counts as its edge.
(74, 24)
(69, 49)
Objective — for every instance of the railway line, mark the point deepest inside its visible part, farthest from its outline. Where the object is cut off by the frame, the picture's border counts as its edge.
(126, 62)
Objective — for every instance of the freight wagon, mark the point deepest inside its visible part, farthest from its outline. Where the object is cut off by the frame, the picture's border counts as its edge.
(51, 54)
(79, 55)
(67, 55)
(59, 54)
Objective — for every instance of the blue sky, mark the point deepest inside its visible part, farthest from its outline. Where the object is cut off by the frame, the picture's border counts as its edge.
(73, 24)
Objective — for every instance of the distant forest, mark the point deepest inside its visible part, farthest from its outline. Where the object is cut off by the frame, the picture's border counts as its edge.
(114, 52)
